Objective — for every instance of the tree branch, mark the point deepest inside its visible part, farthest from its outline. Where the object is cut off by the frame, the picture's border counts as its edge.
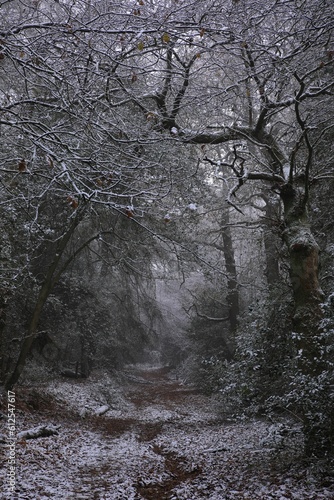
(209, 318)
(305, 136)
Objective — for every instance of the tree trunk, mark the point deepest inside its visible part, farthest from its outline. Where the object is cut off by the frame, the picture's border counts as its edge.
(50, 280)
(232, 281)
(32, 332)
(271, 242)
(307, 294)
(4, 359)
(311, 389)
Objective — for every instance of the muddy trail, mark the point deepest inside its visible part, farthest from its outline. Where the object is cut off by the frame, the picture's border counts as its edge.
(145, 435)
(157, 390)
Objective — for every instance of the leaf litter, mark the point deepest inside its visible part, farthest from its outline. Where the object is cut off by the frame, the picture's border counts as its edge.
(144, 435)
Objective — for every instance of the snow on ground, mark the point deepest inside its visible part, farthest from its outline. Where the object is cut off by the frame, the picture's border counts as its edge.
(157, 440)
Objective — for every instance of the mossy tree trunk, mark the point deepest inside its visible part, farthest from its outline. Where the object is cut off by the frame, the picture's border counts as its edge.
(270, 240)
(309, 385)
(307, 294)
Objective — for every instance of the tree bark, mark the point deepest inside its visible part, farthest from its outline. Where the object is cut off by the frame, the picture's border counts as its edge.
(32, 332)
(307, 294)
(232, 281)
(50, 280)
(4, 359)
(271, 243)
(313, 391)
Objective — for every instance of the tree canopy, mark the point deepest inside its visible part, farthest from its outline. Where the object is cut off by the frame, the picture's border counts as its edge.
(147, 140)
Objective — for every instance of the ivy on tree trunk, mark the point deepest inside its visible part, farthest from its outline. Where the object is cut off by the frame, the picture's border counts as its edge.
(309, 385)
(307, 294)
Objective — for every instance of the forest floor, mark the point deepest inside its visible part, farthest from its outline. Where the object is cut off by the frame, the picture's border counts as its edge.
(159, 439)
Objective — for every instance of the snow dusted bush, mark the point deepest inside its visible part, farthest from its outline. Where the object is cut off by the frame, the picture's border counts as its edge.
(37, 371)
(209, 343)
(203, 371)
(264, 376)
(312, 395)
(263, 359)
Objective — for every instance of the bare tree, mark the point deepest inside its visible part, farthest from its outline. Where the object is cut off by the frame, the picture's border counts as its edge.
(73, 145)
(98, 100)
(275, 61)
(257, 78)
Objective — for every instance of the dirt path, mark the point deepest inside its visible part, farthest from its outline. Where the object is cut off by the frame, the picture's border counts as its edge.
(161, 394)
(158, 440)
